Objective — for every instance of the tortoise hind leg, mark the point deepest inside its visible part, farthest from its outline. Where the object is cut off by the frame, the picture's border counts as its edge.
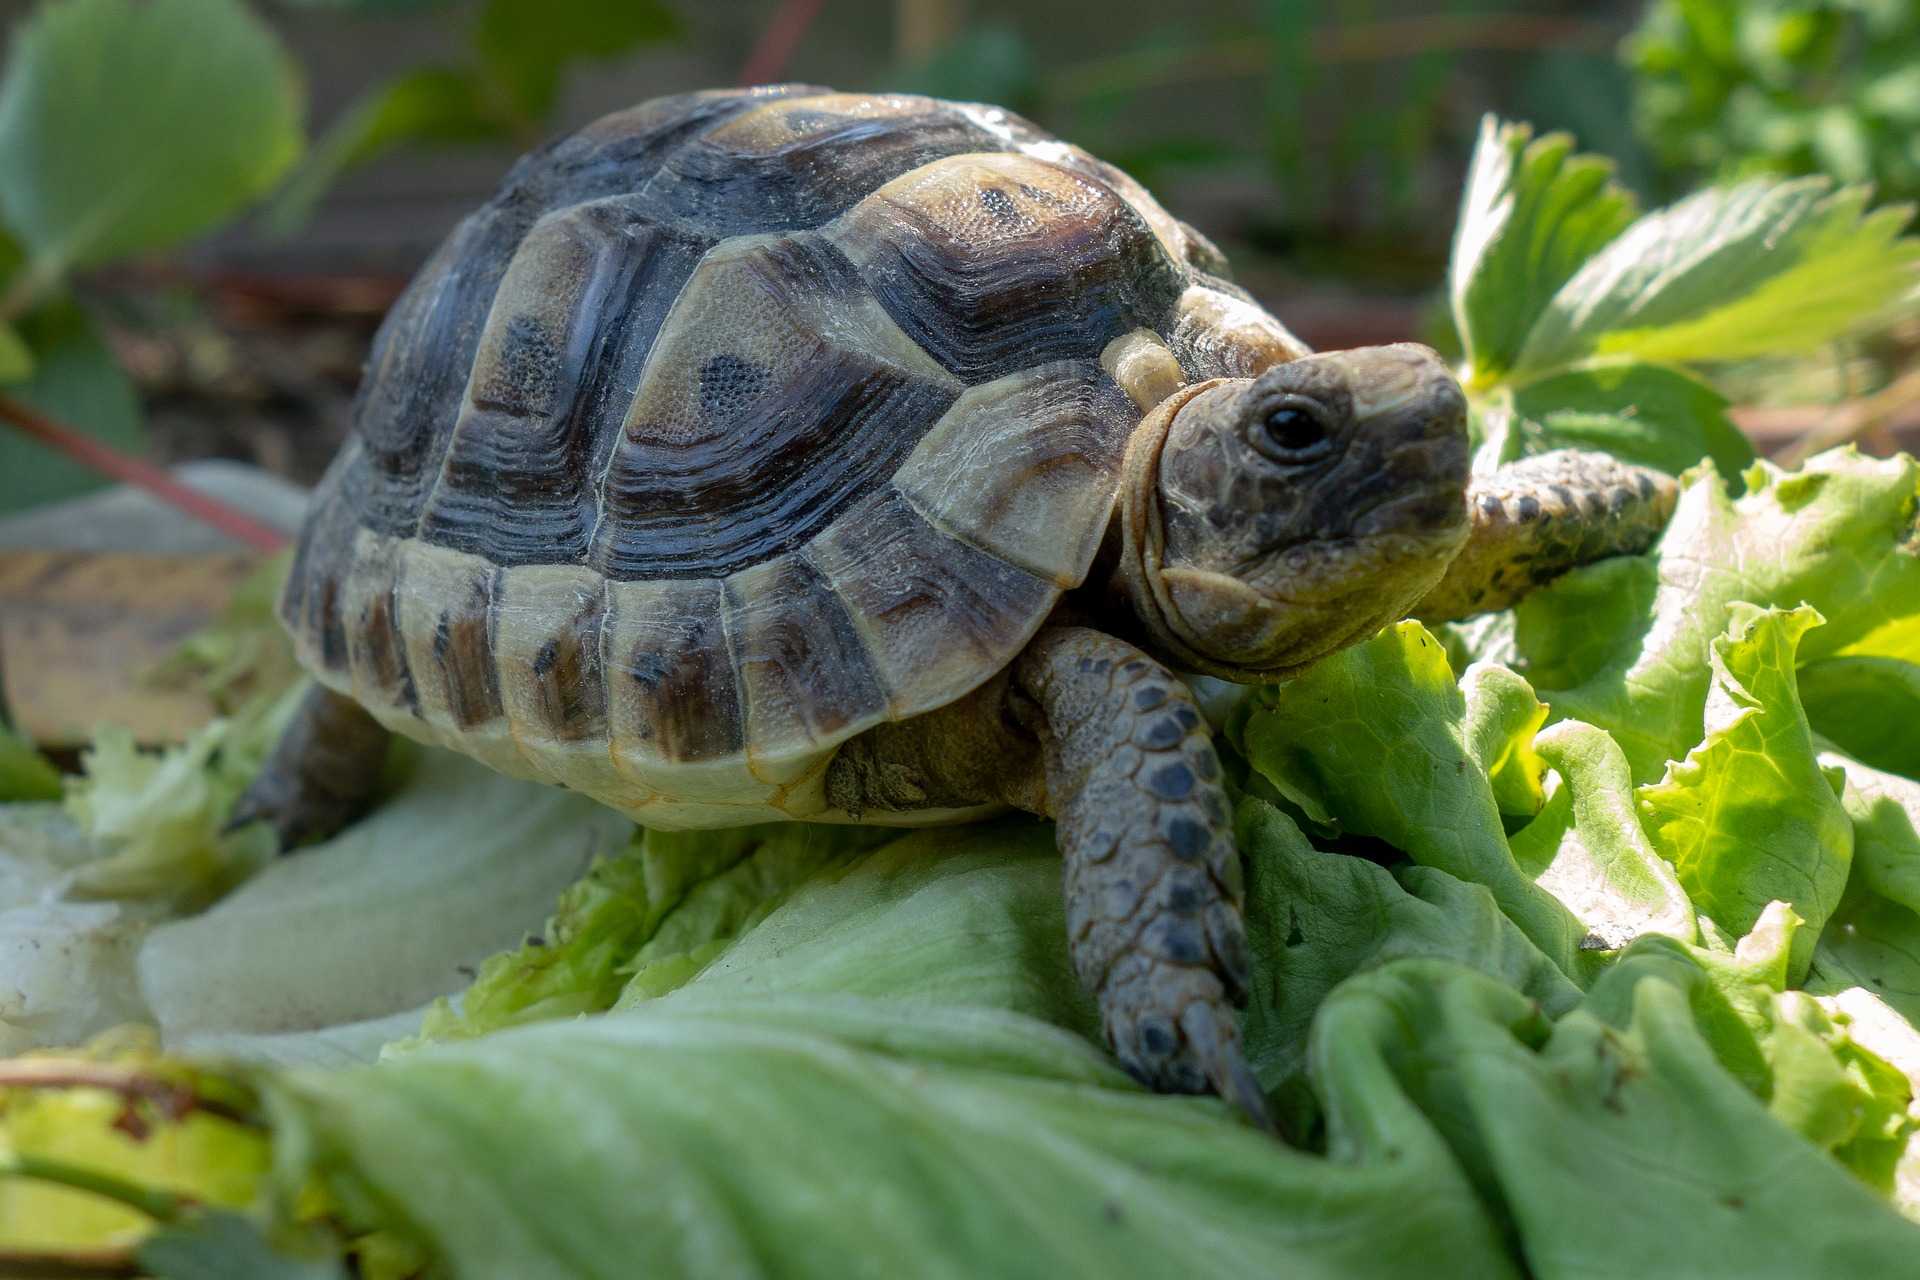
(1153, 879)
(323, 772)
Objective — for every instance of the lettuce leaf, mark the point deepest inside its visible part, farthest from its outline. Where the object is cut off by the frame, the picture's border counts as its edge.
(959, 1136)
(922, 1139)
(1322, 917)
(642, 922)
(1559, 1124)
(66, 967)
(1377, 736)
(1590, 850)
(385, 916)
(1750, 817)
(1624, 644)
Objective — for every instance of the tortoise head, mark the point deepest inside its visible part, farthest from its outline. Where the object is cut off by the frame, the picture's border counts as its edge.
(1269, 521)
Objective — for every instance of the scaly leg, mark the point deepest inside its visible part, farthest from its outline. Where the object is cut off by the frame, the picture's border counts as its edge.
(1535, 519)
(1091, 732)
(1153, 881)
(322, 774)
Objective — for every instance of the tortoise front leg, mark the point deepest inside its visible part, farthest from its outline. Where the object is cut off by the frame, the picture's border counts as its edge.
(322, 774)
(1153, 882)
(1535, 519)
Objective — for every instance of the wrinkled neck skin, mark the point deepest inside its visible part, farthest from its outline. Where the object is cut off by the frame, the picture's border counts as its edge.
(1247, 561)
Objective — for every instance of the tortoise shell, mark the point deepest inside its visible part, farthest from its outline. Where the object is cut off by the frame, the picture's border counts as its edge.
(740, 422)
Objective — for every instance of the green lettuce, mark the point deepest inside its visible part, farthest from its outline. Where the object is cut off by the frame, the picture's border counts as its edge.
(1750, 817)
(1625, 644)
(641, 922)
(1376, 737)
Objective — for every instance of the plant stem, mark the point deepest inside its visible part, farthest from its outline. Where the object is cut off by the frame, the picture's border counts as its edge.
(174, 1100)
(774, 49)
(69, 1264)
(161, 1206)
(35, 279)
(90, 453)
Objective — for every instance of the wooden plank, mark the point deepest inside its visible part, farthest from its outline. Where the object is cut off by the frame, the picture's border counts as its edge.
(81, 631)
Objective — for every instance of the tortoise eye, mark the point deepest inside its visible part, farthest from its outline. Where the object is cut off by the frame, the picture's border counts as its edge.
(1293, 433)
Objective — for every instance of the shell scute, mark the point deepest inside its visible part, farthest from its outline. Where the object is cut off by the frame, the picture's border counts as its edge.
(777, 393)
(517, 481)
(797, 162)
(672, 698)
(376, 651)
(1026, 467)
(936, 616)
(547, 625)
(804, 669)
(994, 263)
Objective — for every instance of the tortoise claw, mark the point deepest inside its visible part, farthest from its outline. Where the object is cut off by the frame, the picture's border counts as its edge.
(1215, 1041)
(1174, 1030)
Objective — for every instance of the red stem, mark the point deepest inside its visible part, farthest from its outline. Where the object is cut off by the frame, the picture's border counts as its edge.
(782, 36)
(98, 457)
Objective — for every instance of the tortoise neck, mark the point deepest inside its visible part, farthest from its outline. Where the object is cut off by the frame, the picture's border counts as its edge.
(1134, 588)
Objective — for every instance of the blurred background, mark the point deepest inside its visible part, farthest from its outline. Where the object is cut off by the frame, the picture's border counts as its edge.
(1322, 143)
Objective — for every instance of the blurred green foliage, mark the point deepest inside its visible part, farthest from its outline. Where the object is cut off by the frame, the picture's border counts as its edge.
(1728, 88)
(505, 90)
(125, 129)
(1347, 112)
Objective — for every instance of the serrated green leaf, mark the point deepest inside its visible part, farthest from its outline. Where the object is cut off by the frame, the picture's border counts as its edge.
(1762, 268)
(1645, 413)
(1749, 817)
(1531, 215)
(77, 381)
(127, 128)
(525, 45)
(431, 104)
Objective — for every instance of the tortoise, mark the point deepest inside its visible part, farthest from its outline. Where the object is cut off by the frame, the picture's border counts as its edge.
(790, 454)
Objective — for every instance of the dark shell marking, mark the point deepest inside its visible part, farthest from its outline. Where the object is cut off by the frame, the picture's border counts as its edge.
(732, 425)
